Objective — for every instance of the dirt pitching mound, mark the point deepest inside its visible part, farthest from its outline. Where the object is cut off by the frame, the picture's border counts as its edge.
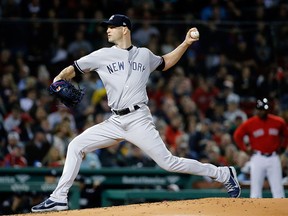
(203, 207)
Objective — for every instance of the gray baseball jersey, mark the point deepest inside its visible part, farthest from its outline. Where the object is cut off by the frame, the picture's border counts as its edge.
(124, 73)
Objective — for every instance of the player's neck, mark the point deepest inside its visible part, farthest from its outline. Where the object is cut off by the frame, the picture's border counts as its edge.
(127, 47)
(124, 44)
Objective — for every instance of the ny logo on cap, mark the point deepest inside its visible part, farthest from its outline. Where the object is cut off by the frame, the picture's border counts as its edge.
(111, 18)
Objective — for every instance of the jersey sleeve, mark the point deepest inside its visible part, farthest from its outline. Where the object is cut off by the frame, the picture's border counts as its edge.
(89, 62)
(284, 143)
(156, 62)
(238, 136)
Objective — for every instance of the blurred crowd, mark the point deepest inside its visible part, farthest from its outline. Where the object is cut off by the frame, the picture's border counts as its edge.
(242, 54)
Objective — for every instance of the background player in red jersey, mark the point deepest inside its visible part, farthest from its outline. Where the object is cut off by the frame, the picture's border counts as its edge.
(266, 133)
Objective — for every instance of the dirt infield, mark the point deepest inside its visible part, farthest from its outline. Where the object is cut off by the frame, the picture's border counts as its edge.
(203, 207)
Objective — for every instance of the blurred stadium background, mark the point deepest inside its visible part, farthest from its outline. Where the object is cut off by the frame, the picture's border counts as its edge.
(242, 54)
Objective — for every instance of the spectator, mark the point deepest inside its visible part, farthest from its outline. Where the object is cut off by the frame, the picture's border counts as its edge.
(39, 114)
(183, 87)
(3, 140)
(3, 112)
(233, 110)
(8, 91)
(213, 153)
(91, 161)
(26, 128)
(34, 8)
(45, 126)
(205, 94)
(161, 125)
(267, 84)
(243, 162)
(263, 51)
(240, 56)
(42, 81)
(187, 107)
(283, 95)
(216, 111)
(137, 158)
(28, 100)
(59, 115)
(53, 158)
(23, 72)
(231, 154)
(111, 157)
(37, 149)
(213, 11)
(170, 41)
(198, 139)
(93, 95)
(168, 109)
(13, 120)
(13, 139)
(63, 135)
(182, 149)
(80, 46)
(234, 12)
(142, 36)
(15, 158)
(245, 84)
(59, 53)
(173, 131)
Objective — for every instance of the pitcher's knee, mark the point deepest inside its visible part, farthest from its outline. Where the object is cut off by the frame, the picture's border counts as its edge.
(170, 163)
(74, 147)
(164, 166)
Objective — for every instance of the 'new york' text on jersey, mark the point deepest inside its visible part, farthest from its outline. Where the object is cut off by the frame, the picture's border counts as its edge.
(124, 73)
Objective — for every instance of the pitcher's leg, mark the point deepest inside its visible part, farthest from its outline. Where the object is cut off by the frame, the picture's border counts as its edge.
(152, 144)
(141, 131)
(148, 139)
(91, 139)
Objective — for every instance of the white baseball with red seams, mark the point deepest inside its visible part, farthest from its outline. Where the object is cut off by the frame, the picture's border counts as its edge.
(194, 34)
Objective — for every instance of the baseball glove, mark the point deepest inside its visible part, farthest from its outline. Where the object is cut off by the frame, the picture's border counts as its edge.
(66, 92)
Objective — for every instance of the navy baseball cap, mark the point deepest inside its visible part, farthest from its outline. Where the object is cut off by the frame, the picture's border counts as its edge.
(262, 104)
(117, 20)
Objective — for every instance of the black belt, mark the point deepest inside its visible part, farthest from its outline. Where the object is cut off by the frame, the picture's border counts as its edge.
(125, 111)
(264, 154)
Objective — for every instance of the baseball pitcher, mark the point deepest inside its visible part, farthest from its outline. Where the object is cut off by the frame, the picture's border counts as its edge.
(124, 70)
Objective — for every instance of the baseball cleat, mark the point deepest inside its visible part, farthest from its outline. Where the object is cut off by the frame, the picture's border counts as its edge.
(232, 185)
(49, 205)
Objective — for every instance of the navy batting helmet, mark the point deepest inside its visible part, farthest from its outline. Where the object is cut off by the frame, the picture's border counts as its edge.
(262, 104)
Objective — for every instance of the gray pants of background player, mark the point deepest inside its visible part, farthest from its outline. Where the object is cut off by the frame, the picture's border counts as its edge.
(138, 128)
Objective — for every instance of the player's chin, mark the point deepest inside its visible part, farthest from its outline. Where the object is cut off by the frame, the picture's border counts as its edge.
(110, 40)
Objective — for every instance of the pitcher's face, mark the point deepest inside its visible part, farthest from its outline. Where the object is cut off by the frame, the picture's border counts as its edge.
(115, 34)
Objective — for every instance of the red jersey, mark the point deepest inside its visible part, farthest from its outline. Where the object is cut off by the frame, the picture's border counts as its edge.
(203, 98)
(171, 136)
(13, 161)
(265, 135)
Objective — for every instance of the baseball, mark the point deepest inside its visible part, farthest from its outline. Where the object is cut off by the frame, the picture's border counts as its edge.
(194, 34)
